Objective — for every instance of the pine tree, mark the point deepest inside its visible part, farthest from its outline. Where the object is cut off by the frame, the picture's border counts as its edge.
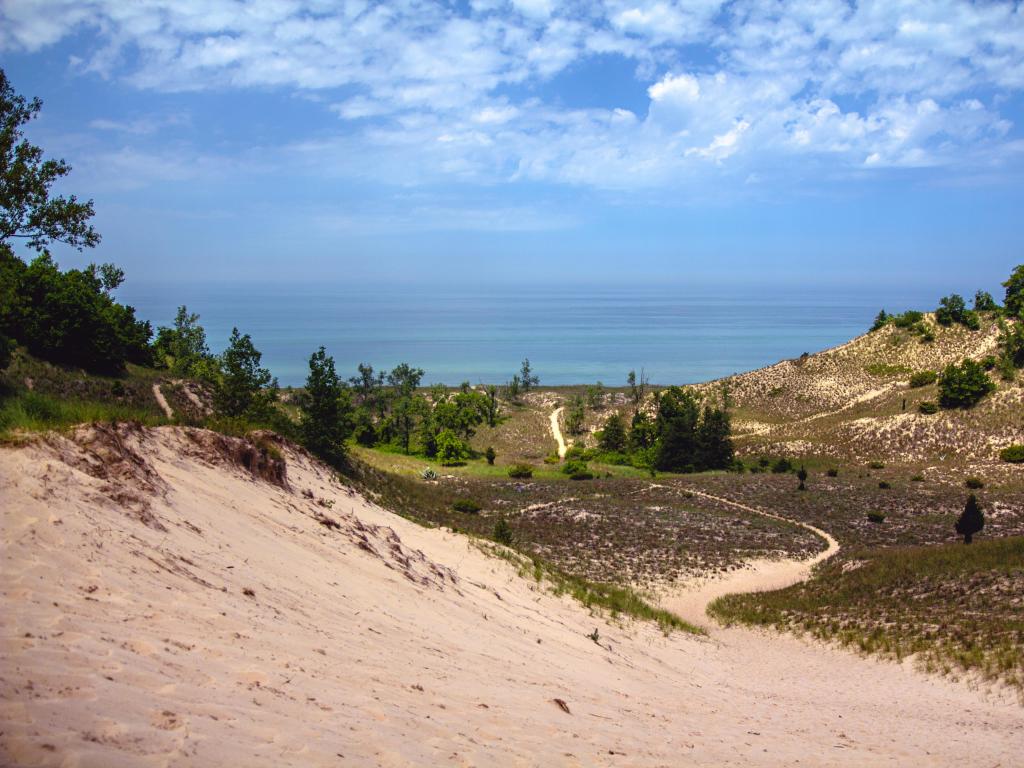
(971, 520)
(326, 409)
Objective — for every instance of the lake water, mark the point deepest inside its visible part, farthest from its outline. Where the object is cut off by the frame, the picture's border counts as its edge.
(572, 334)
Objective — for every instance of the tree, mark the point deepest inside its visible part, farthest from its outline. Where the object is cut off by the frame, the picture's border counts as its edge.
(245, 389)
(613, 436)
(953, 309)
(971, 520)
(490, 455)
(714, 444)
(403, 380)
(983, 302)
(575, 415)
(637, 389)
(493, 409)
(801, 475)
(964, 385)
(881, 319)
(512, 389)
(27, 210)
(1014, 285)
(182, 348)
(595, 396)
(326, 421)
(678, 414)
(450, 449)
(70, 317)
(527, 380)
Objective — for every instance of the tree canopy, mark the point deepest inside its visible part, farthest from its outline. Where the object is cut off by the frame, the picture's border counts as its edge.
(27, 209)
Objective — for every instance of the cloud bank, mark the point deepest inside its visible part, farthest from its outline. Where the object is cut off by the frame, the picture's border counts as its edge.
(426, 92)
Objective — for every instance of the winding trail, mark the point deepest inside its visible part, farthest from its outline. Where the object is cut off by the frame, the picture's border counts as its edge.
(691, 599)
(556, 431)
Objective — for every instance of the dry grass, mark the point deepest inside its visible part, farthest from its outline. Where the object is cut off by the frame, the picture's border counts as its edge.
(955, 608)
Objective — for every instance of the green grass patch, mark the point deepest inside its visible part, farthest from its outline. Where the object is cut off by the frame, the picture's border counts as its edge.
(28, 411)
(886, 369)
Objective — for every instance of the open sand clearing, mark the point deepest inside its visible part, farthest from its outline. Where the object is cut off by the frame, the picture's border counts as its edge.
(171, 597)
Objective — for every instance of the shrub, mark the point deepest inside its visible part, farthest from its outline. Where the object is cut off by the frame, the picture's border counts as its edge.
(876, 465)
(983, 302)
(582, 474)
(573, 466)
(450, 448)
(971, 520)
(832, 472)
(520, 471)
(928, 407)
(1014, 285)
(428, 474)
(917, 478)
(503, 532)
(881, 319)
(876, 517)
(964, 385)
(907, 319)
(490, 455)
(468, 506)
(884, 485)
(886, 369)
(1013, 453)
(951, 310)
(974, 483)
(782, 465)
(802, 477)
(923, 379)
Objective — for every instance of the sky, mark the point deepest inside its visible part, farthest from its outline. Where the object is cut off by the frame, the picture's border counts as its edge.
(757, 142)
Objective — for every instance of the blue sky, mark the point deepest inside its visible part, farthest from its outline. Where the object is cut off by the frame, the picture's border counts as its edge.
(628, 141)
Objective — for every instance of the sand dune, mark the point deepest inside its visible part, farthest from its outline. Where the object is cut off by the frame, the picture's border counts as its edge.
(176, 598)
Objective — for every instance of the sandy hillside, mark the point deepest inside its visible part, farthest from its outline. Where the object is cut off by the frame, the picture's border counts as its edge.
(173, 597)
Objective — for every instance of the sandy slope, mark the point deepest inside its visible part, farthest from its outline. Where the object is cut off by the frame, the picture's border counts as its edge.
(127, 640)
(556, 431)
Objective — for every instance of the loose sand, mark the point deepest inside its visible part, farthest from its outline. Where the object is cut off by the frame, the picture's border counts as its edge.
(128, 639)
(556, 431)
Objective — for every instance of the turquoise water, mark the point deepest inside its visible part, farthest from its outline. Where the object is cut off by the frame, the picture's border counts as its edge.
(572, 334)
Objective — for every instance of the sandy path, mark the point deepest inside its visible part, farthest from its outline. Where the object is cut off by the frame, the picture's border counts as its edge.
(366, 639)
(691, 598)
(556, 431)
(162, 401)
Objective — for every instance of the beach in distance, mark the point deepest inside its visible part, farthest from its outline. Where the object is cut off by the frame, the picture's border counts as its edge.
(572, 334)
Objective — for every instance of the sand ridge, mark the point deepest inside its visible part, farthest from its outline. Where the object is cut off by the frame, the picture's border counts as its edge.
(248, 622)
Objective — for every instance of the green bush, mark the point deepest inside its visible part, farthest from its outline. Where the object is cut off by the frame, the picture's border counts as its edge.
(451, 449)
(574, 465)
(503, 532)
(582, 474)
(490, 455)
(468, 506)
(833, 472)
(917, 479)
(1013, 453)
(884, 485)
(928, 407)
(520, 471)
(974, 483)
(923, 379)
(782, 466)
(964, 385)
(876, 517)
(70, 317)
(428, 474)
(907, 319)
(876, 465)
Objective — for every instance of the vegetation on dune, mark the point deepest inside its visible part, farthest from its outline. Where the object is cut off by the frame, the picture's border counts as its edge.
(956, 607)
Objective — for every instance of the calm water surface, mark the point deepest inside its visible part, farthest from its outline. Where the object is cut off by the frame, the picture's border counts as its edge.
(572, 334)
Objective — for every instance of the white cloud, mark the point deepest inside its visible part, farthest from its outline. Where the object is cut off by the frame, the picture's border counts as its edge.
(748, 85)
